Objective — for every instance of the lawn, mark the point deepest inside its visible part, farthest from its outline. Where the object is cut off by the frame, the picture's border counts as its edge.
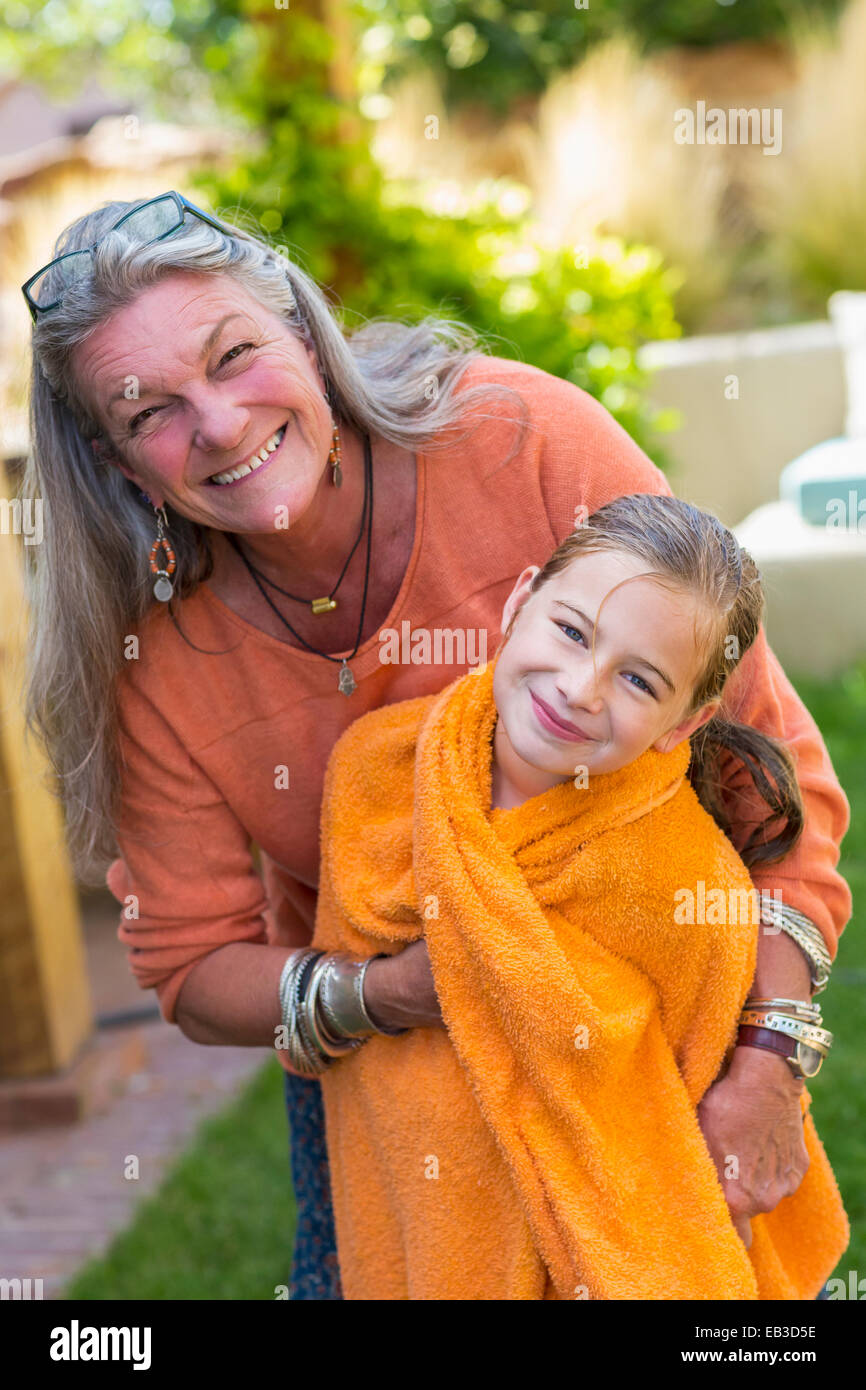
(221, 1224)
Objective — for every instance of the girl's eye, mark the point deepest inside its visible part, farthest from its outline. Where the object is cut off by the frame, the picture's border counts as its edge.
(630, 675)
(230, 357)
(567, 628)
(642, 683)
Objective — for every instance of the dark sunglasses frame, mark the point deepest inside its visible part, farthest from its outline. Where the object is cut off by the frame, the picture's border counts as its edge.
(183, 206)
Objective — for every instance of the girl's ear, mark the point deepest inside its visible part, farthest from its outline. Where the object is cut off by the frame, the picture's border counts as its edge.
(518, 595)
(687, 727)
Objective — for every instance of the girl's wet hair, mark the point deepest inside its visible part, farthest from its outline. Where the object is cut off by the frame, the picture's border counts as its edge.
(690, 550)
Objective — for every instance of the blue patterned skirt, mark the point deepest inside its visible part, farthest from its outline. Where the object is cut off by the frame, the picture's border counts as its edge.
(315, 1272)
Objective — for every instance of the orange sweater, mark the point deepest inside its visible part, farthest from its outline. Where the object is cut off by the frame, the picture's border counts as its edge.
(204, 734)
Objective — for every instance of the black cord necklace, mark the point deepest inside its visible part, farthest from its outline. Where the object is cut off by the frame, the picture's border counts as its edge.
(347, 681)
(317, 605)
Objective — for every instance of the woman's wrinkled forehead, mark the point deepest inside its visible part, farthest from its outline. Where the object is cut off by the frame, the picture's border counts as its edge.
(167, 330)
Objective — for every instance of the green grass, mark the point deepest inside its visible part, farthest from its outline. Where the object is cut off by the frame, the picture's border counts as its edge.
(222, 1223)
(838, 1098)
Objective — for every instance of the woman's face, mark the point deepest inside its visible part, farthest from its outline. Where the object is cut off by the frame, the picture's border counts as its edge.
(633, 696)
(195, 379)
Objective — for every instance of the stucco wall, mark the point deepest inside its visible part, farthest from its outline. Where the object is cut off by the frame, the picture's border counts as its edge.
(751, 402)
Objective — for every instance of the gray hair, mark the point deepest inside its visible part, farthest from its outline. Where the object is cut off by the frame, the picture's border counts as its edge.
(89, 582)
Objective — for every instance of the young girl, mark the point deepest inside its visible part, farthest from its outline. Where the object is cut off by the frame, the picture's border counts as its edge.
(551, 825)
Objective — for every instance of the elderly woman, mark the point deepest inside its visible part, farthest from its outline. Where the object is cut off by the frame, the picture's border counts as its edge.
(258, 530)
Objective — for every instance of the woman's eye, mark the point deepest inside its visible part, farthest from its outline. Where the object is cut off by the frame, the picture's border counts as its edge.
(230, 355)
(141, 418)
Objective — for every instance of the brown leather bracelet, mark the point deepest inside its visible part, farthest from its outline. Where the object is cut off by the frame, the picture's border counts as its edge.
(749, 1035)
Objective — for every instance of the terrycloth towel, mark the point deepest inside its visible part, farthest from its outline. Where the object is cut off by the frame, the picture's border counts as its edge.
(547, 1145)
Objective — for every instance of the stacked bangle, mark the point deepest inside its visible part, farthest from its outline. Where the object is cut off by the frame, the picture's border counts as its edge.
(322, 1008)
(791, 1027)
(342, 997)
(801, 929)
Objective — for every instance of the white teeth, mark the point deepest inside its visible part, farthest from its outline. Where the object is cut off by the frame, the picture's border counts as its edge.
(255, 462)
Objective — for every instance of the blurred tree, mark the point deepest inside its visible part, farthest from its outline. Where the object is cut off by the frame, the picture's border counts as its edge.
(310, 183)
(497, 51)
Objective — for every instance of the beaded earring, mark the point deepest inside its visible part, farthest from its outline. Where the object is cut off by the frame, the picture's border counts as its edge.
(334, 459)
(163, 588)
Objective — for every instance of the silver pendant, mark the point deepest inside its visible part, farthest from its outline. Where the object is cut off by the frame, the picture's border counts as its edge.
(163, 588)
(347, 680)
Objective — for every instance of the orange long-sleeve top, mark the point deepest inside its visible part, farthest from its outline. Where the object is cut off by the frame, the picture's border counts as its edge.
(224, 749)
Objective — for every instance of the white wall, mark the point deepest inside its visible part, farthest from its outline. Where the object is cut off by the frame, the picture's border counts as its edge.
(729, 453)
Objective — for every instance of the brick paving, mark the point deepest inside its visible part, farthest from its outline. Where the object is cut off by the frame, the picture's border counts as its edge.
(63, 1194)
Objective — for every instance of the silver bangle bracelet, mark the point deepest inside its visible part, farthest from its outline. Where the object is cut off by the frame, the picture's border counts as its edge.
(803, 931)
(330, 1048)
(322, 1008)
(810, 1033)
(288, 979)
(343, 1006)
(798, 1008)
(342, 1009)
(317, 1060)
(303, 1055)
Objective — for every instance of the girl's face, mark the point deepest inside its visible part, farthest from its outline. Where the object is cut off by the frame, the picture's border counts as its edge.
(196, 379)
(635, 693)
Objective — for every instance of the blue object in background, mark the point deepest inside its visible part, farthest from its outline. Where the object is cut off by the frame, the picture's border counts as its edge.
(827, 484)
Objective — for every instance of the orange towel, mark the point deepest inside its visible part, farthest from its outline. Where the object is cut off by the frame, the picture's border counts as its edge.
(547, 1144)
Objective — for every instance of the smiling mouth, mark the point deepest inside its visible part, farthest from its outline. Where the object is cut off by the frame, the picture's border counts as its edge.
(570, 732)
(256, 461)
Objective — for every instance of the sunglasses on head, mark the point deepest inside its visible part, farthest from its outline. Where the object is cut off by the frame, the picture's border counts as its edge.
(149, 222)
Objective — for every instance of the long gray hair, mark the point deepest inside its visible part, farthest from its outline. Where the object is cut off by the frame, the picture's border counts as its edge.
(89, 582)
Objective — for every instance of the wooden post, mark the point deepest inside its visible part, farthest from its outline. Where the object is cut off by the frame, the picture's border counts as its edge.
(45, 1005)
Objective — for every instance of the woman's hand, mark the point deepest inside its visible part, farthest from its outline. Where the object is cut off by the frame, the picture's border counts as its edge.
(753, 1127)
(399, 991)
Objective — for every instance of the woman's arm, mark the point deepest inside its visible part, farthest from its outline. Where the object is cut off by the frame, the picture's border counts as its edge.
(195, 910)
(231, 995)
(753, 1111)
(760, 694)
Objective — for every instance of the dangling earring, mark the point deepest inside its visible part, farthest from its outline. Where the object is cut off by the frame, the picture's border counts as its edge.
(334, 459)
(163, 588)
